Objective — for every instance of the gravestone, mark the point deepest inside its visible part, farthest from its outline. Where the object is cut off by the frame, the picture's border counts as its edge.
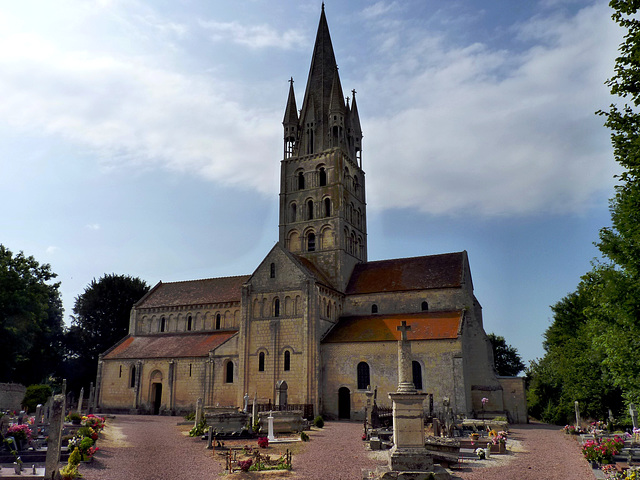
(198, 412)
(55, 438)
(577, 407)
(246, 402)
(254, 410)
(38, 417)
(80, 400)
(634, 415)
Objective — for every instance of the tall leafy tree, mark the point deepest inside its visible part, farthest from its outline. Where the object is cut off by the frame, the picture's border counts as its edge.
(30, 319)
(616, 317)
(506, 359)
(100, 318)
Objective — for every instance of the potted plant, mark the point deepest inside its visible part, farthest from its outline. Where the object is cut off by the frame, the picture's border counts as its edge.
(75, 418)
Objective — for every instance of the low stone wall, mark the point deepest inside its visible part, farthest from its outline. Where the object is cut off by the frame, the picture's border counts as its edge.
(283, 422)
(11, 395)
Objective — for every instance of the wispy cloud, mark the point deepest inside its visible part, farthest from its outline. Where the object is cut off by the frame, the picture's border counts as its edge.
(93, 226)
(253, 36)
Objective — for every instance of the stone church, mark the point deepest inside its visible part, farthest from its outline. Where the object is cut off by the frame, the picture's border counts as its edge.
(315, 323)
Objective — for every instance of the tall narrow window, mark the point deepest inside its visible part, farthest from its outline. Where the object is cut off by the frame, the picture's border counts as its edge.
(425, 306)
(327, 207)
(287, 360)
(417, 375)
(229, 372)
(276, 307)
(301, 181)
(322, 174)
(311, 242)
(310, 210)
(218, 321)
(120, 374)
(294, 212)
(132, 378)
(374, 308)
(189, 323)
(272, 273)
(364, 379)
(261, 362)
(190, 365)
(163, 324)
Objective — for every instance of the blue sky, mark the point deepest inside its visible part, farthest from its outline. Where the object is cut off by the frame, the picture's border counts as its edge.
(144, 138)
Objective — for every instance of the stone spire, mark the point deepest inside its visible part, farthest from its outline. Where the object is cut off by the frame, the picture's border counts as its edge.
(290, 123)
(322, 75)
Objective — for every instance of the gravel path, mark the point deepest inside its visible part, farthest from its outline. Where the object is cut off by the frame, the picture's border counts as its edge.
(548, 454)
(150, 448)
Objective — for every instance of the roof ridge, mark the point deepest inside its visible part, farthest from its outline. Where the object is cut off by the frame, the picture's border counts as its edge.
(204, 279)
(412, 258)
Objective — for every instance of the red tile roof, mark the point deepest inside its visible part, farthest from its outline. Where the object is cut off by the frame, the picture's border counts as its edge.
(382, 328)
(162, 346)
(194, 292)
(418, 273)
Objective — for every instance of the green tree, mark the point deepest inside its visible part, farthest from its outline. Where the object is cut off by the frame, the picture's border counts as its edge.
(506, 359)
(30, 319)
(34, 395)
(616, 316)
(100, 319)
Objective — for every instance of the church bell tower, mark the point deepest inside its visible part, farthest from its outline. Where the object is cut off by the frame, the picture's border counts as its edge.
(322, 184)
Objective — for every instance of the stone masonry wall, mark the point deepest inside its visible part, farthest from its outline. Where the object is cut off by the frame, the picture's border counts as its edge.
(11, 395)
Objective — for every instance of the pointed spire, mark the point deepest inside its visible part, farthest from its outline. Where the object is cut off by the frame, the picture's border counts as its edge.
(355, 118)
(336, 103)
(322, 75)
(291, 111)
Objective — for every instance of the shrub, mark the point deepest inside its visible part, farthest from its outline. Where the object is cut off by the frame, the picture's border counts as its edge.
(190, 417)
(263, 442)
(245, 465)
(318, 421)
(69, 472)
(304, 437)
(34, 395)
(199, 429)
(75, 457)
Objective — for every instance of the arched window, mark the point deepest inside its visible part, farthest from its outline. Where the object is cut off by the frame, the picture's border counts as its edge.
(425, 306)
(311, 242)
(261, 362)
(132, 377)
(189, 323)
(276, 307)
(163, 324)
(364, 380)
(374, 308)
(327, 207)
(417, 374)
(229, 372)
(322, 177)
(300, 181)
(272, 273)
(287, 360)
(218, 322)
(310, 210)
(329, 310)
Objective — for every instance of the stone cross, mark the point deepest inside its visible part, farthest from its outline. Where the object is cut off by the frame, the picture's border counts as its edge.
(80, 400)
(634, 415)
(55, 438)
(577, 414)
(246, 402)
(405, 380)
(254, 410)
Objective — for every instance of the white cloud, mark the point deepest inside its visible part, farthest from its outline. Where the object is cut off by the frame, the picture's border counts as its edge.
(52, 249)
(253, 36)
(487, 132)
(93, 226)
(378, 9)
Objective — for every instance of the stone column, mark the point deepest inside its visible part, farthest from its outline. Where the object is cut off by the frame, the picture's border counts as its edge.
(96, 398)
(55, 438)
(170, 382)
(405, 371)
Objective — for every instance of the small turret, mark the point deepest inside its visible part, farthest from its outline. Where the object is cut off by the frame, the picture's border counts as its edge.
(354, 119)
(290, 123)
(337, 112)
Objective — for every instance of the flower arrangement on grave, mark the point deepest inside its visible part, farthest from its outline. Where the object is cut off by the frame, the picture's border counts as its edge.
(198, 430)
(636, 435)
(263, 442)
(597, 425)
(305, 438)
(75, 418)
(480, 453)
(245, 465)
(94, 422)
(602, 451)
(498, 437)
(19, 432)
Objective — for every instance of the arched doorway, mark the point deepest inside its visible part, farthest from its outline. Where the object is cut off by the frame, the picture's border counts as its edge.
(156, 395)
(344, 403)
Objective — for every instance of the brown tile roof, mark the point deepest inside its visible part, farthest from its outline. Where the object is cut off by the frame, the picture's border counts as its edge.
(194, 292)
(382, 328)
(162, 346)
(418, 273)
